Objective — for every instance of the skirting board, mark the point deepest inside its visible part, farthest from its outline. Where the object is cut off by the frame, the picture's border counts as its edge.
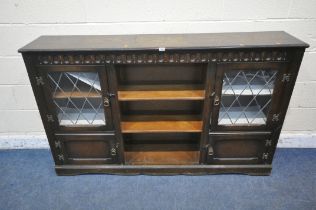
(39, 141)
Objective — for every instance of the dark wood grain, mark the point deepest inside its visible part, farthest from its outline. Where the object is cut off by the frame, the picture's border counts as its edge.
(113, 89)
(256, 169)
(167, 41)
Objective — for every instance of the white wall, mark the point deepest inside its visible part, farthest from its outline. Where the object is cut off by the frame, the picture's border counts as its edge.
(21, 21)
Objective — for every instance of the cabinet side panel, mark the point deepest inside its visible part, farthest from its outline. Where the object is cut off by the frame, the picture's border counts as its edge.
(295, 57)
(30, 63)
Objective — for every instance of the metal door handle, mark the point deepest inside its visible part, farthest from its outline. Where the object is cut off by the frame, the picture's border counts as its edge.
(216, 101)
(210, 150)
(106, 102)
(111, 95)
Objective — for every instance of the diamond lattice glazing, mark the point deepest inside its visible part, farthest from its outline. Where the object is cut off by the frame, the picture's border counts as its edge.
(77, 98)
(246, 97)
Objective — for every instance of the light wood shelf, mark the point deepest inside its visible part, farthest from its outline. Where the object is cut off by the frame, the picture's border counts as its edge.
(161, 127)
(133, 87)
(161, 117)
(144, 95)
(77, 94)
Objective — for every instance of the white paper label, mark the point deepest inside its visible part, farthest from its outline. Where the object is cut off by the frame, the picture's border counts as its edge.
(162, 49)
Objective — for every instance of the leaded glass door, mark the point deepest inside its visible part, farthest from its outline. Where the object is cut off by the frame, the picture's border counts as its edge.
(78, 97)
(246, 95)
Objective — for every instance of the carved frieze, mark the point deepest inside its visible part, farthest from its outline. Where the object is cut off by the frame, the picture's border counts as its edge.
(154, 58)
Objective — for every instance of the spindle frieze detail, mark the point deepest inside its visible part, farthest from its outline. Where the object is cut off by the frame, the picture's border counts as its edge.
(156, 58)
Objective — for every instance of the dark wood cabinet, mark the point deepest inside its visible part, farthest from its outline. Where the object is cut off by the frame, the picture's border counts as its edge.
(164, 104)
(238, 148)
(88, 148)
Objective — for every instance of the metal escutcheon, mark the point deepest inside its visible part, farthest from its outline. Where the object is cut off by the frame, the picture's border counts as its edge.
(106, 102)
(216, 101)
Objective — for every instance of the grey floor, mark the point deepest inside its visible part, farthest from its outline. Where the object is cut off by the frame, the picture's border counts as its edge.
(28, 181)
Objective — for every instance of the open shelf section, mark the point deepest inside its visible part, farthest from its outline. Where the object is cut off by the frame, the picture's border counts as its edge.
(161, 141)
(161, 148)
(161, 126)
(161, 117)
(162, 157)
(171, 86)
(161, 95)
(77, 94)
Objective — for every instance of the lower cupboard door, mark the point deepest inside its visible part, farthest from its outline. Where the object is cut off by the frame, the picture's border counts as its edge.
(88, 148)
(237, 149)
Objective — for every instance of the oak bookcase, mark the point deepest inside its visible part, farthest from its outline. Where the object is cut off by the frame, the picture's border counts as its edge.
(164, 104)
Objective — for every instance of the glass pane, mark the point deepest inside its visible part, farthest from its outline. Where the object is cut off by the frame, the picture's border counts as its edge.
(246, 97)
(77, 97)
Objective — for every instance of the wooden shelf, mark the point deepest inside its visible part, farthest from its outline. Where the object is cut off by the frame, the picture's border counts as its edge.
(150, 86)
(247, 91)
(161, 95)
(76, 94)
(162, 157)
(161, 117)
(161, 126)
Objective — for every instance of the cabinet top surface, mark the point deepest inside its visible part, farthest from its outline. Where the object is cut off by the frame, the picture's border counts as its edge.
(163, 42)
